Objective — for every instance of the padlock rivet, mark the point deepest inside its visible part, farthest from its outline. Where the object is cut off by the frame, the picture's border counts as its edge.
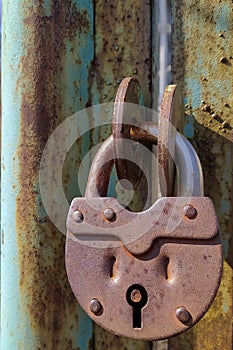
(110, 214)
(183, 315)
(78, 216)
(96, 307)
(190, 212)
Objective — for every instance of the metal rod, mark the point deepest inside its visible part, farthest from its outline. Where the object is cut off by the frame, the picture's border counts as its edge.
(164, 28)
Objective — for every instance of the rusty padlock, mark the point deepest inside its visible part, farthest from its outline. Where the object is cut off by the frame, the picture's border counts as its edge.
(147, 275)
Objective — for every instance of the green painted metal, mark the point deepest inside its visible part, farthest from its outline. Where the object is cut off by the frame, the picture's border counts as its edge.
(59, 57)
(50, 70)
(46, 51)
(202, 66)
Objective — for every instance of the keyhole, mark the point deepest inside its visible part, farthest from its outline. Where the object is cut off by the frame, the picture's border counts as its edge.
(137, 297)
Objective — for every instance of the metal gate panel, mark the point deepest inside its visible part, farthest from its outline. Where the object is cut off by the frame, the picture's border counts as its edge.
(46, 45)
(62, 56)
(202, 65)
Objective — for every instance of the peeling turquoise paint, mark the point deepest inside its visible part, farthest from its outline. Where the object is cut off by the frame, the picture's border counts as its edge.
(194, 85)
(17, 331)
(189, 127)
(84, 332)
(226, 303)
(225, 206)
(224, 88)
(221, 16)
(225, 246)
(14, 324)
(201, 70)
(47, 7)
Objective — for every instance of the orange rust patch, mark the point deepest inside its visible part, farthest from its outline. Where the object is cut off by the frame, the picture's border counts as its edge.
(45, 292)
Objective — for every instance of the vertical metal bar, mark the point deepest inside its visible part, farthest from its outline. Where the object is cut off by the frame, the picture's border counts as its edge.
(155, 53)
(164, 30)
(160, 345)
(161, 53)
(47, 51)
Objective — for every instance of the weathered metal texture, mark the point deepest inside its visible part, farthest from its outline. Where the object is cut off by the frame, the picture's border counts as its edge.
(202, 66)
(108, 274)
(47, 49)
(126, 118)
(122, 48)
(171, 118)
(103, 274)
(190, 180)
(105, 340)
(144, 233)
(101, 278)
(132, 159)
(129, 92)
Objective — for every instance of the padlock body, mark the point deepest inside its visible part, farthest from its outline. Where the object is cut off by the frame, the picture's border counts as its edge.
(176, 272)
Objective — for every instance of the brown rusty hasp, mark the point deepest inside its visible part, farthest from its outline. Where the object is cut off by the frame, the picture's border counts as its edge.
(125, 116)
(171, 118)
(129, 123)
(147, 275)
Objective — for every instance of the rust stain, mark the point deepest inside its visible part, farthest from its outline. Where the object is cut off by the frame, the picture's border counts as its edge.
(45, 291)
(105, 341)
(122, 49)
(203, 69)
(190, 339)
(3, 236)
(123, 46)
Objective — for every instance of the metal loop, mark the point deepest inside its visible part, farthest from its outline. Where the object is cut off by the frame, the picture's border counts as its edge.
(190, 178)
(98, 179)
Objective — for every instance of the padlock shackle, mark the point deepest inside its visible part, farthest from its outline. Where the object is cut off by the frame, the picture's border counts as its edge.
(190, 177)
(98, 180)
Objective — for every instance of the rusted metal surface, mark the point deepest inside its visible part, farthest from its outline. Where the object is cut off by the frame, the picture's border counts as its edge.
(57, 75)
(105, 271)
(126, 119)
(190, 180)
(98, 185)
(171, 118)
(105, 340)
(140, 133)
(129, 92)
(117, 56)
(132, 157)
(206, 82)
(108, 261)
(43, 49)
(122, 48)
(143, 235)
(93, 274)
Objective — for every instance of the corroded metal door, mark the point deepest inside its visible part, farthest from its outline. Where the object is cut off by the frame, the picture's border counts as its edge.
(58, 58)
